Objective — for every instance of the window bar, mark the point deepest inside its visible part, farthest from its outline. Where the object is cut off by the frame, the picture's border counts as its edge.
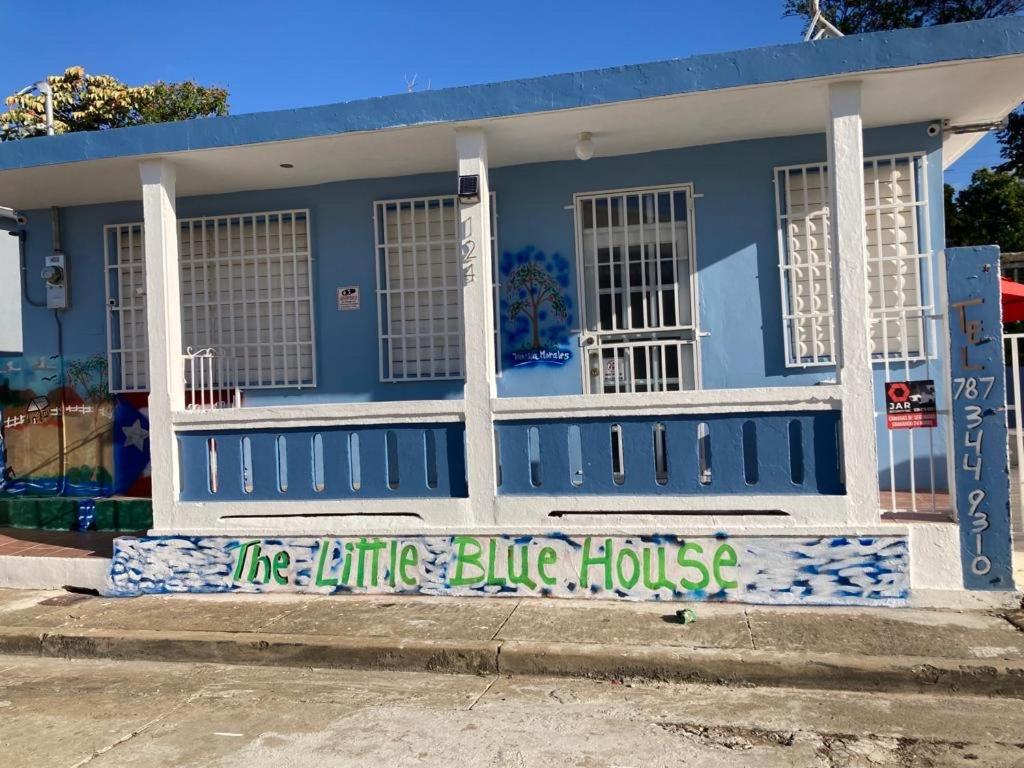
(273, 306)
(136, 341)
(296, 311)
(124, 288)
(399, 240)
(125, 316)
(245, 303)
(258, 298)
(624, 220)
(431, 303)
(655, 250)
(107, 278)
(826, 228)
(808, 267)
(675, 269)
(597, 321)
(927, 326)
(308, 251)
(295, 340)
(453, 249)
(648, 370)
(883, 319)
(217, 332)
(386, 297)
(417, 288)
(204, 339)
(898, 208)
(231, 305)
(613, 318)
(378, 254)
(663, 385)
(119, 234)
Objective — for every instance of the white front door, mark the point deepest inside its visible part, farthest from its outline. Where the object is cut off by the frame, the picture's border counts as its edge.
(639, 290)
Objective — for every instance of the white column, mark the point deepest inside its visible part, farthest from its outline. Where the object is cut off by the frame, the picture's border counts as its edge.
(477, 310)
(163, 315)
(853, 327)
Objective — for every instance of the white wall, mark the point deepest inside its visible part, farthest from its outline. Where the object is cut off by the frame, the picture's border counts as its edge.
(10, 295)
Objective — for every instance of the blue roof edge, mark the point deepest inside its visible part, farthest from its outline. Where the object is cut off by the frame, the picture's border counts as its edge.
(755, 66)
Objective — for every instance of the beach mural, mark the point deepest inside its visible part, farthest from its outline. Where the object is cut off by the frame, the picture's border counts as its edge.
(829, 570)
(64, 434)
(536, 308)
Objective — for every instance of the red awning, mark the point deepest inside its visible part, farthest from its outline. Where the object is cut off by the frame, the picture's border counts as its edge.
(1013, 300)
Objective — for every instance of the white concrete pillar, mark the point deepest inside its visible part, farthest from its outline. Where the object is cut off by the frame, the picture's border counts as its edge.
(163, 315)
(478, 316)
(850, 281)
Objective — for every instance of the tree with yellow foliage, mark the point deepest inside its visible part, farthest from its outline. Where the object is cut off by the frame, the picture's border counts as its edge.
(83, 102)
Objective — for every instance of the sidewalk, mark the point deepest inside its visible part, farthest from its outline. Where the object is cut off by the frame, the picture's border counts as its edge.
(831, 648)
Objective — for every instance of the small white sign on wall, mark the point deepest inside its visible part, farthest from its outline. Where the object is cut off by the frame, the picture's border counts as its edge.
(348, 298)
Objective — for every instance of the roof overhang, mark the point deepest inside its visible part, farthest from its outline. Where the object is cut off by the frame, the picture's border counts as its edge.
(964, 73)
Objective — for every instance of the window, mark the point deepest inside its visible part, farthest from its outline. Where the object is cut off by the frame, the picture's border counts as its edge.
(246, 292)
(898, 258)
(637, 281)
(419, 287)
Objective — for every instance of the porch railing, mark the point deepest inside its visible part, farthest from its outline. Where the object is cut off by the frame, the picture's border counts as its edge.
(211, 380)
(310, 464)
(750, 453)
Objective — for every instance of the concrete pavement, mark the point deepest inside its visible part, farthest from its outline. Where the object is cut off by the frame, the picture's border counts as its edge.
(835, 648)
(93, 714)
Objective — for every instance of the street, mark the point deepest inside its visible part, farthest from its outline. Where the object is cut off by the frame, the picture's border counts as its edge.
(76, 713)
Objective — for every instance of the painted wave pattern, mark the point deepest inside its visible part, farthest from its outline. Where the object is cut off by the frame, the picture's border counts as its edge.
(833, 570)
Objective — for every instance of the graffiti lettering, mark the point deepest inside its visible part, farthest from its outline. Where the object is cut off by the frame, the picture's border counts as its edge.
(766, 570)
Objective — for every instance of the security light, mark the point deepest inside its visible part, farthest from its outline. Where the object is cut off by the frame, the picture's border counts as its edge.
(469, 189)
(584, 146)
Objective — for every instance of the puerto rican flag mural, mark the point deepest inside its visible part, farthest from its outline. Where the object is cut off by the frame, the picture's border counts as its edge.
(132, 472)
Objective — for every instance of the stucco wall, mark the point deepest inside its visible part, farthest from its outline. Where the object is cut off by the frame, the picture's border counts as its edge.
(736, 256)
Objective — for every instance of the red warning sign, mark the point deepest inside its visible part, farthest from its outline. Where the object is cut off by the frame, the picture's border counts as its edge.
(910, 404)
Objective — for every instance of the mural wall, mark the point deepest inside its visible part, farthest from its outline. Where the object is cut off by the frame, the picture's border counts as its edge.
(536, 309)
(64, 434)
(864, 570)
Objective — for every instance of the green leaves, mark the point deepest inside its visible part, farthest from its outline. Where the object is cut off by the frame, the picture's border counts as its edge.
(855, 16)
(83, 102)
(990, 211)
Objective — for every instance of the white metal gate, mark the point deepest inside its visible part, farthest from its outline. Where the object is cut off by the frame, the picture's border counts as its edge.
(638, 282)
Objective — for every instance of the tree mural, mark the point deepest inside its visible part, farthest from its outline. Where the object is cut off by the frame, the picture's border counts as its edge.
(536, 299)
(540, 288)
(88, 377)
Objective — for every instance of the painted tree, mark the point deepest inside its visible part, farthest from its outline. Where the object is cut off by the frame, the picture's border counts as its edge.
(530, 287)
(84, 102)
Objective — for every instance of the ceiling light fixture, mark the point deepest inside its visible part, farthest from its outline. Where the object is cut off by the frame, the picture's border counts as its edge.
(287, 165)
(584, 146)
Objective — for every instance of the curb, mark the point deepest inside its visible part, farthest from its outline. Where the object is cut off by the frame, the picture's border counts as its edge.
(828, 671)
(255, 649)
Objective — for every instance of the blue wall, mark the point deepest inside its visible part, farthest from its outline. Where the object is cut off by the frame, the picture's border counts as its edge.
(736, 258)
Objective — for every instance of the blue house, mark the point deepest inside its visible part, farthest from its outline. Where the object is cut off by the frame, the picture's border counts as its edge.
(631, 330)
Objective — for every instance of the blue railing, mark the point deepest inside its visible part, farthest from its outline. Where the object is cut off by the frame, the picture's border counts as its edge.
(767, 453)
(373, 462)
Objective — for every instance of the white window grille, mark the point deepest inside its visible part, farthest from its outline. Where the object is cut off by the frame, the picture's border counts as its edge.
(419, 287)
(246, 292)
(127, 340)
(899, 261)
(638, 279)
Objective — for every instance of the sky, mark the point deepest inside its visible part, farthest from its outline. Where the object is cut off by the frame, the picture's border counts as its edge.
(276, 55)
